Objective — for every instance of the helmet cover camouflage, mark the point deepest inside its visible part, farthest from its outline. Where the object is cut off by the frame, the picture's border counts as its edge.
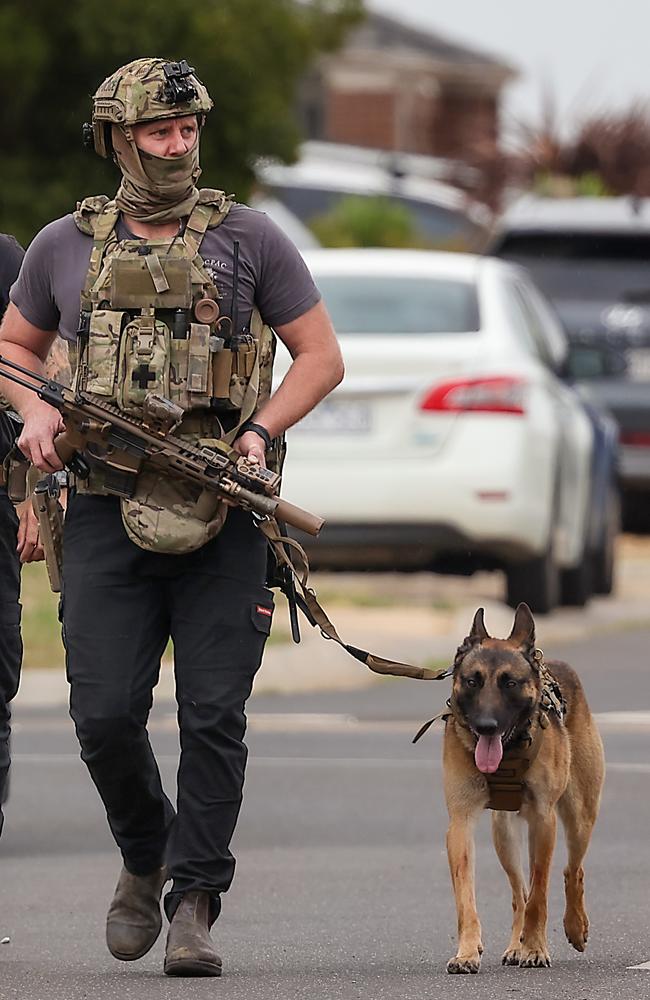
(146, 90)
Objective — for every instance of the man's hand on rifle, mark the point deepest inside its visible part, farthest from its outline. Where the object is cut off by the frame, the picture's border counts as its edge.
(41, 425)
(252, 447)
(29, 547)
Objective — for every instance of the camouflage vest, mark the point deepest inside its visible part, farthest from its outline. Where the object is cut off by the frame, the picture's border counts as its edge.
(152, 321)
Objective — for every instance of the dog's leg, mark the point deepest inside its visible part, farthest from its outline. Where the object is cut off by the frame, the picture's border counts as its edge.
(506, 834)
(460, 851)
(578, 809)
(534, 947)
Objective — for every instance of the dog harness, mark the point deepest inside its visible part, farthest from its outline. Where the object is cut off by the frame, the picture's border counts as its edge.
(506, 784)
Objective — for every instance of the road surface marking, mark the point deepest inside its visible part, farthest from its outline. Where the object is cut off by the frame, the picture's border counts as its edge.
(633, 767)
(623, 720)
(333, 722)
(625, 767)
(644, 965)
(369, 762)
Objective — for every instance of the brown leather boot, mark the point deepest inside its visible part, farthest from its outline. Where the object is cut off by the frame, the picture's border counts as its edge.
(134, 919)
(190, 951)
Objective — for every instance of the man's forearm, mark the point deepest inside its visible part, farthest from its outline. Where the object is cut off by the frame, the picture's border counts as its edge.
(309, 379)
(21, 399)
(25, 345)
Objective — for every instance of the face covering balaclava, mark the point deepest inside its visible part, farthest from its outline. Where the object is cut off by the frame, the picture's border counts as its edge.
(155, 189)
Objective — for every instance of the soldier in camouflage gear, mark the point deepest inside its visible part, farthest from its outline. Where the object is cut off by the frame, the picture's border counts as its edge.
(123, 599)
(13, 533)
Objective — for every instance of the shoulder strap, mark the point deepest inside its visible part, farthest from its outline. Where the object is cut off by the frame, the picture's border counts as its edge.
(86, 212)
(103, 226)
(208, 213)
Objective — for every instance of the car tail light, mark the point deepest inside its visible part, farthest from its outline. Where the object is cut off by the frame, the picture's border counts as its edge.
(638, 439)
(502, 394)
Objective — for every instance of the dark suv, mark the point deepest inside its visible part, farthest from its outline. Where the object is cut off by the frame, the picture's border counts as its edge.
(591, 257)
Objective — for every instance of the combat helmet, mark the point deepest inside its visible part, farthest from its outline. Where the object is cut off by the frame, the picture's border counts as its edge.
(144, 90)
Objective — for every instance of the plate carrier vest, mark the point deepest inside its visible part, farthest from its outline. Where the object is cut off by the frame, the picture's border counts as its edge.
(151, 323)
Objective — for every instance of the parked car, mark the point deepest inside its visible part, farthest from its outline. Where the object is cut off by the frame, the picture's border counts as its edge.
(326, 173)
(452, 443)
(590, 256)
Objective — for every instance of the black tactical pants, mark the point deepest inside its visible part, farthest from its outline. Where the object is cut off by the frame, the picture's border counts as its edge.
(121, 604)
(11, 649)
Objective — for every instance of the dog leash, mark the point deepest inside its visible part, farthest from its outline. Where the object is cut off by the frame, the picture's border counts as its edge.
(306, 600)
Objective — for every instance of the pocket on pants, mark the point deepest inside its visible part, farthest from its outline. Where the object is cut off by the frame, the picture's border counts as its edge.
(262, 616)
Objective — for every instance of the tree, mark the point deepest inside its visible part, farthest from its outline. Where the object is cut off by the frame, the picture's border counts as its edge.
(249, 53)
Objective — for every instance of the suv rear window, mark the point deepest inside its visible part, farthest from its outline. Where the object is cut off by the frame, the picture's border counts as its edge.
(590, 266)
(378, 304)
(577, 246)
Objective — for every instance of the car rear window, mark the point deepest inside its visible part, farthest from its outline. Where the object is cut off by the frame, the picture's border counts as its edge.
(384, 305)
(433, 221)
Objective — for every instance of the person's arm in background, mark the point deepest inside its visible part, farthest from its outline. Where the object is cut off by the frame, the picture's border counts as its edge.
(57, 366)
(11, 256)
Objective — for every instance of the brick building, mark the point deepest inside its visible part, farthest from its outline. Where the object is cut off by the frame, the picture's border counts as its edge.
(396, 87)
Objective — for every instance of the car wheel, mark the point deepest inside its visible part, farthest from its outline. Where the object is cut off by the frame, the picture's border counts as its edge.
(576, 585)
(604, 554)
(535, 581)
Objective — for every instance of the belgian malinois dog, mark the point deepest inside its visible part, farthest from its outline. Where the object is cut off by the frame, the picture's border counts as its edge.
(512, 714)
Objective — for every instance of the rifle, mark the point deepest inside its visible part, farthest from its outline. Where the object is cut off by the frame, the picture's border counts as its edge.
(99, 431)
(48, 510)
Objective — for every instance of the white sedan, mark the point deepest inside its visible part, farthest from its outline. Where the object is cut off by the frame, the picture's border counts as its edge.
(452, 443)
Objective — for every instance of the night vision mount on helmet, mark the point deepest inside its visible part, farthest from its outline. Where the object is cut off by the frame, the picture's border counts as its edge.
(144, 90)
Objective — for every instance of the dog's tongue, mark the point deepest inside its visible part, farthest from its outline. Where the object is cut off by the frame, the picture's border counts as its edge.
(488, 753)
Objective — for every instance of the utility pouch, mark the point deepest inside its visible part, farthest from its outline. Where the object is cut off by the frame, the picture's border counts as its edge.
(244, 358)
(171, 516)
(191, 369)
(145, 281)
(102, 356)
(144, 361)
(198, 362)
(222, 363)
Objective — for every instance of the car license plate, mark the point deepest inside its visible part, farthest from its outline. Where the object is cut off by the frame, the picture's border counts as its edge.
(336, 417)
(638, 363)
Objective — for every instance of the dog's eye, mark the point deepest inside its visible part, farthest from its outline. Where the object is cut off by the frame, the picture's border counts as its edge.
(510, 684)
(471, 682)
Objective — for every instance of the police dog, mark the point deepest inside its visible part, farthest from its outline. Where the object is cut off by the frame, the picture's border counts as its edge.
(499, 701)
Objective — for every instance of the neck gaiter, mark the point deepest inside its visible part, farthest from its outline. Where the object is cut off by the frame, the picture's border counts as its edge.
(155, 189)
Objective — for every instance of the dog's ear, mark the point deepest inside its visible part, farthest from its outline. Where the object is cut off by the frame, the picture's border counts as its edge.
(523, 630)
(478, 631)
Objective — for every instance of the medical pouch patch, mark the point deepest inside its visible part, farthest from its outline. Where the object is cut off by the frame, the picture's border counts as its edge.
(144, 361)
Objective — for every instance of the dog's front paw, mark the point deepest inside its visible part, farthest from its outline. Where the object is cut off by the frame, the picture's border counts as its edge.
(464, 964)
(576, 928)
(535, 957)
(511, 956)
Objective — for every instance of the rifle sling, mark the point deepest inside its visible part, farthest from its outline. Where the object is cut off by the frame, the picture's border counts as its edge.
(316, 616)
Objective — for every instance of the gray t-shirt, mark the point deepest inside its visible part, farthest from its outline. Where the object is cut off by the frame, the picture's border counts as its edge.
(272, 274)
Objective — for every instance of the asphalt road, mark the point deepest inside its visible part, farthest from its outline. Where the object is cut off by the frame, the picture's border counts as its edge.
(342, 888)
